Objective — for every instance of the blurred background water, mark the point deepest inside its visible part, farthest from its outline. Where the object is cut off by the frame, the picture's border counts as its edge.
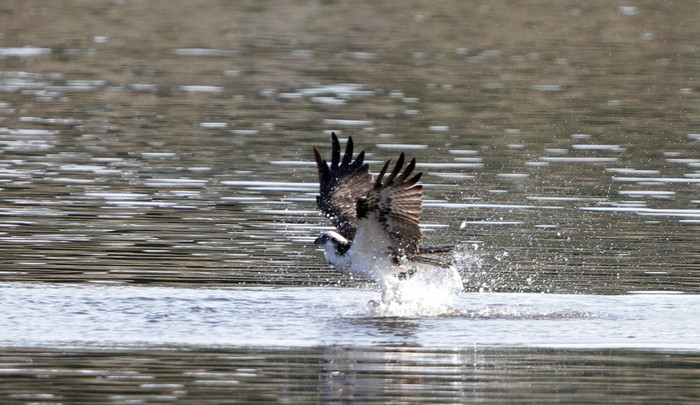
(168, 144)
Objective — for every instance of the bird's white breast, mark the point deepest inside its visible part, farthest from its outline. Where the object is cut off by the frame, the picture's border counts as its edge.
(370, 253)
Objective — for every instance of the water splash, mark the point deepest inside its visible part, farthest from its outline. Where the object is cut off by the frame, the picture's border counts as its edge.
(427, 291)
(468, 261)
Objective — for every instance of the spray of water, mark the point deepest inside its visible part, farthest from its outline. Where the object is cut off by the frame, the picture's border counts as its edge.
(427, 291)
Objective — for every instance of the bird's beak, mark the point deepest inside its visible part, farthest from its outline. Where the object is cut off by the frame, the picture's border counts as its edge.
(318, 241)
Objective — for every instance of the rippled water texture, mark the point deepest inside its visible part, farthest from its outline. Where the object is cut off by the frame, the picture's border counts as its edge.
(59, 315)
(157, 200)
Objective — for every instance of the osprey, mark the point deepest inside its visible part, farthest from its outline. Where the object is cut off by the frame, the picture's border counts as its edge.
(376, 220)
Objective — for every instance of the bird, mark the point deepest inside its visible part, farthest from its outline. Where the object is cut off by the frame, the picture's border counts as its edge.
(377, 219)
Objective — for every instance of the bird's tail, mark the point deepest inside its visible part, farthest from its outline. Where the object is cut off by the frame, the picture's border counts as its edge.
(428, 250)
(435, 256)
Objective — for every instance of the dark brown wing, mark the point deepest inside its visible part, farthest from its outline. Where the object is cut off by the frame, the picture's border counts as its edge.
(398, 202)
(341, 184)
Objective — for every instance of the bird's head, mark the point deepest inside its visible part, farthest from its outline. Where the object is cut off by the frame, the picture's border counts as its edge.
(332, 238)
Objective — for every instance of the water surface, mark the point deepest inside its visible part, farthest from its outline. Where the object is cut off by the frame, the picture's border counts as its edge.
(157, 200)
(106, 316)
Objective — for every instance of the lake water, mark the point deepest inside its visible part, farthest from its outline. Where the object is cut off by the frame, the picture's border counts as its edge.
(59, 315)
(157, 201)
(308, 344)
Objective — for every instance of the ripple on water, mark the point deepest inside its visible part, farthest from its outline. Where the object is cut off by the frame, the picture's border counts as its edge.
(200, 88)
(686, 180)
(566, 159)
(24, 52)
(348, 123)
(401, 146)
(273, 186)
(307, 317)
(206, 52)
(175, 182)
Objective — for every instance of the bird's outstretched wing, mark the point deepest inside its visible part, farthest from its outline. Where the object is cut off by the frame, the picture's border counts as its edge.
(341, 184)
(396, 203)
